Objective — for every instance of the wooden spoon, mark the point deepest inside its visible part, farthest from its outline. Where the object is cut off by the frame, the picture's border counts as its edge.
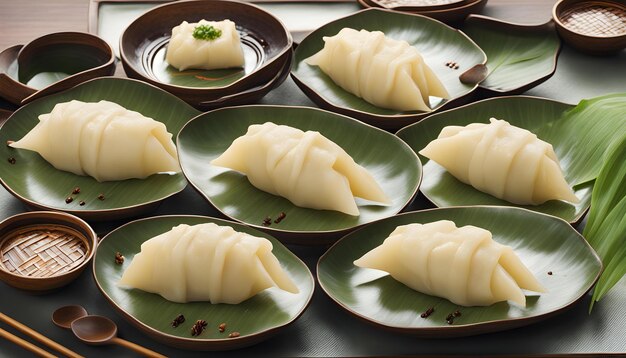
(64, 316)
(98, 330)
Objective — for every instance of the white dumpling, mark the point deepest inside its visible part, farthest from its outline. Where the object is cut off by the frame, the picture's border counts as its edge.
(385, 72)
(103, 140)
(206, 262)
(464, 265)
(306, 168)
(185, 51)
(505, 161)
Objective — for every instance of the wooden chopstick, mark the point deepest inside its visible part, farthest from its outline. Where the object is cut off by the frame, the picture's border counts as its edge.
(25, 344)
(38, 336)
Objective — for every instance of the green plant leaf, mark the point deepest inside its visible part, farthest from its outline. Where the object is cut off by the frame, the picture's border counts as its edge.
(543, 243)
(592, 126)
(606, 224)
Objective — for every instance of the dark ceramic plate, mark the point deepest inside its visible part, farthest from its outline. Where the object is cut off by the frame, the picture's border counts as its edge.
(265, 41)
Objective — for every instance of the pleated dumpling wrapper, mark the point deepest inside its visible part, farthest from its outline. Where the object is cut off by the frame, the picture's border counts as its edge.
(505, 161)
(103, 140)
(306, 168)
(205, 45)
(464, 265)
(206, 262)
(385, 72)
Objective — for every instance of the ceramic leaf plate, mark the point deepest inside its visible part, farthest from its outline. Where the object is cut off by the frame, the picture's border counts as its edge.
(36, 182)
(256, 319)
(520, 56)
(394, 166)
(436, 42)
(531, 113)
(543, 242)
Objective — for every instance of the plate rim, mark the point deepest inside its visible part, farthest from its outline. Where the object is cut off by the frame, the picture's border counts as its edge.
(306, 233)
(103, 214)
(200, 343)
(166, 3)
(461, 330)
(577, 219)
(403, 116)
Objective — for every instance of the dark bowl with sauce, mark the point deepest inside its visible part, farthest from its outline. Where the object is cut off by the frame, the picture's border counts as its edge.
(266, 44)
(44, 250)
(52, 63)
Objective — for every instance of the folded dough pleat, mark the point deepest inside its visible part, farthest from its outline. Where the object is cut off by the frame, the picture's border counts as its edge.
(206, 262)
(505, 161)
(304, 167)
(462, 264)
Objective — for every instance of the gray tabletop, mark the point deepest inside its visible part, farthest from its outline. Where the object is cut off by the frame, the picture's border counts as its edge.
(325, 329)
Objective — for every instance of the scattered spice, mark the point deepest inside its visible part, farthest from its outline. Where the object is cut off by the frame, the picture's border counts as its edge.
(119, 258)
(457, 313)
(68, 200)
(76, 190)
(267, 221)
(428, 312)
(101, 196)
(452, 65)
(450, 318)
(222, 327)
(81, 203)
(9, 142)
(234, 335)
(12, 160)
(550, 273)
(198, 327)
(178, 320)
(280, 217)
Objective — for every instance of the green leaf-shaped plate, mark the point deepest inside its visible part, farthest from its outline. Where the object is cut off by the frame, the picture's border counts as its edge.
(543, 242)
(531, 113)
(392, 163)
(437, 42)
(256, 319)
(520, 56)
(37, 183)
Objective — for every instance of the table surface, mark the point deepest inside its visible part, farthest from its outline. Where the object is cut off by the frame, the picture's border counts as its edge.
(324, 329)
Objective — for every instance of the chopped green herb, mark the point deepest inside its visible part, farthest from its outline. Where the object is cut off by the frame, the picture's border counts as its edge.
(206, 32)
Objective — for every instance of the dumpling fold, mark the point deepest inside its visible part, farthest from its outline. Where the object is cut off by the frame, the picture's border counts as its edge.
(464, 265)
(206, 262)
(306, 168)
(103, 140)
(385, 72)
(505, 161)
(187, 52)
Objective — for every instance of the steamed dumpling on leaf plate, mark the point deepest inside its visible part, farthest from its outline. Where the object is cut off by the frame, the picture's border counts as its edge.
(206, 262)
(103, 140)
(205, 45)
(385, 72)
(464, 265)
(306, 168)
(508, 162)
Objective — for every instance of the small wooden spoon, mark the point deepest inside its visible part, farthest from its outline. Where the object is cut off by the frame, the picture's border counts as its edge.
(99, 330)
(64, 316)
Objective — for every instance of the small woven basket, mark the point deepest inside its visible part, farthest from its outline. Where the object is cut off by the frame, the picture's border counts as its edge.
(597, 27)
(43, 251)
